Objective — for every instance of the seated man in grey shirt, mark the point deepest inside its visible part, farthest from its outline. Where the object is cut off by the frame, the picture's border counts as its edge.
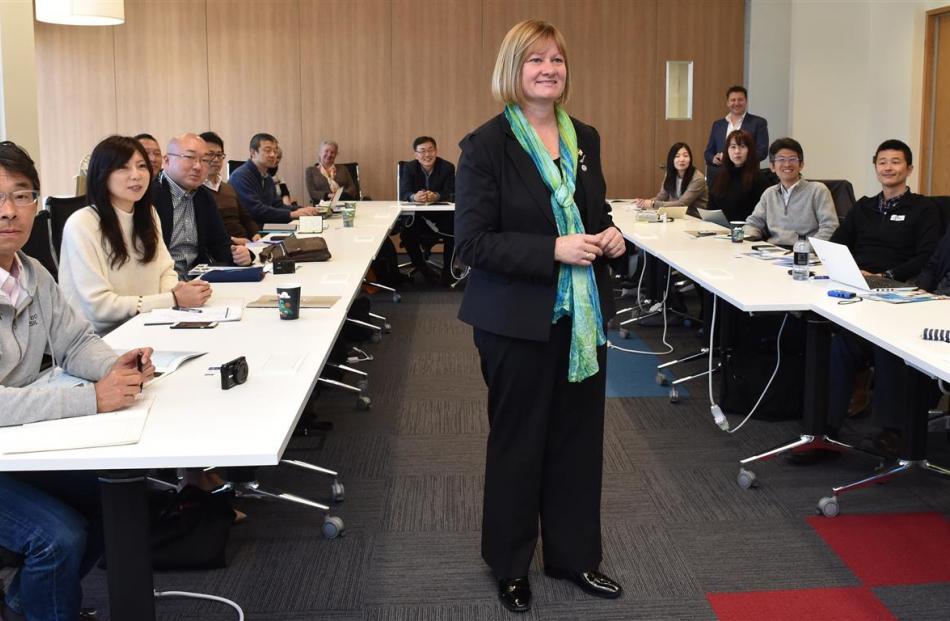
(49, 518)
(795, 206)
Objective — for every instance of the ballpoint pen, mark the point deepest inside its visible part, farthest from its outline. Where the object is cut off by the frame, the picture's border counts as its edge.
(186, 309)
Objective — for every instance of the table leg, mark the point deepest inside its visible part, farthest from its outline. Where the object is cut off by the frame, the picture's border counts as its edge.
(128, 552)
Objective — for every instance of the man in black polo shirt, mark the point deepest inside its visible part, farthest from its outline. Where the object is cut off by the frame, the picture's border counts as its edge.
(890, 234)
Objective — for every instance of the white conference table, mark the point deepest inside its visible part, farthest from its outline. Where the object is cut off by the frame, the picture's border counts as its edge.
(754, 285)
(193, 422)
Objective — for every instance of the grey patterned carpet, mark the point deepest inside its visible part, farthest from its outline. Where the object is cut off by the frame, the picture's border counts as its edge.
(676, 526)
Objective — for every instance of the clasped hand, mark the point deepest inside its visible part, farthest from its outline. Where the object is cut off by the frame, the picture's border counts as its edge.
(583, 249)
(124, 381)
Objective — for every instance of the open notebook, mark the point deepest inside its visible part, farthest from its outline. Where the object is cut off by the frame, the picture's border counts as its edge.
(97, 430)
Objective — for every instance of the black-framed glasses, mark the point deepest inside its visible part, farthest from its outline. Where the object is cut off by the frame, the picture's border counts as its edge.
(20, 198)
(786, 160)
(193, 158)
(425, 151)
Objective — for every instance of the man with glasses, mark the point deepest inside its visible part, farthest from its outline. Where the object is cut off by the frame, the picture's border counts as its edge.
(240, 225)
(428, 179)
(192, 228)
(257, 191)
(49, 519)
(793, 207)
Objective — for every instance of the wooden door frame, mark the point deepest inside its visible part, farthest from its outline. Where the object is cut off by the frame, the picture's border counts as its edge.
(927, 109)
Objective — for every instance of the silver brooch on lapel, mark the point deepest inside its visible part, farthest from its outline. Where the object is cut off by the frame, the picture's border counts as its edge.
(580, 159)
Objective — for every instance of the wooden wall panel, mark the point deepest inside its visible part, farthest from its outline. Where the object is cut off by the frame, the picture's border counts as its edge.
(709, 34)
(161, 52)
(612, 71)
(374, 74)
(440, 79)
(76, 94)
(346, 89)
(254, 78)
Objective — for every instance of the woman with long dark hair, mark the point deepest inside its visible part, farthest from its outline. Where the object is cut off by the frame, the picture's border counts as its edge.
(113, 262)
(739, 184)
(532, 221)
(683, 185)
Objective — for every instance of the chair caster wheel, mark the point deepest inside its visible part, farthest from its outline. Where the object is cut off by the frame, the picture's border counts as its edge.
(746, 478)
(624, 333)
(674, 395)
(660, 379)
(363, 403)
(332, 527)
(388, 328)
(397, 298)
(363, 385)
(828, 506)
(376, 337)
(687, 323)
(336, 491)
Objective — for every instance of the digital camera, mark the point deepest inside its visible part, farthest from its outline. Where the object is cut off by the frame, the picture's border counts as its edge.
(233, 373)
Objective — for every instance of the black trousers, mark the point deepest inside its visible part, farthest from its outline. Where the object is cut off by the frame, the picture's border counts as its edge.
(418, 231)
(545, 454)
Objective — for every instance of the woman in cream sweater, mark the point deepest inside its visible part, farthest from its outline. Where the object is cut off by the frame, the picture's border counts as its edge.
(113, 262)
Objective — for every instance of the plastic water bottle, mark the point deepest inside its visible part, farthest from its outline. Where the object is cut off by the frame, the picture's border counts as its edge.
(800, 267)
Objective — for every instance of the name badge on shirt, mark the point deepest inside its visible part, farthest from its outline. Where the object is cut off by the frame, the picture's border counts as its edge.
(898, 217)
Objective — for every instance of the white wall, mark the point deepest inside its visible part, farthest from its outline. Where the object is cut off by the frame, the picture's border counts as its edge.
(854, 78)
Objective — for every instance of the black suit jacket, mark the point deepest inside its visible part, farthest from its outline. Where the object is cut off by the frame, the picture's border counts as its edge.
(755, 125)
(442, 180)
(505, 230)
(214, 243)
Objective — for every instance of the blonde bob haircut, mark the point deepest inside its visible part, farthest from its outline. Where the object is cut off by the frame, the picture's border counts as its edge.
(518, 43)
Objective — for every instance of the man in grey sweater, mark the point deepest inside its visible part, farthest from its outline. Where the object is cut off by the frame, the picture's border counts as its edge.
(793, 207)
(48, 518)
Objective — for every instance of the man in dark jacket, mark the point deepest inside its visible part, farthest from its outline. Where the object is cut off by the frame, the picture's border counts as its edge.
(191, 225)
(890, 234)
(429, 179)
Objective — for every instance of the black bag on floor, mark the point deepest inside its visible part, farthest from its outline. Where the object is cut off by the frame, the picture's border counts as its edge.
(385, 266)
(359, 310)
(748, 362)
(189, 529)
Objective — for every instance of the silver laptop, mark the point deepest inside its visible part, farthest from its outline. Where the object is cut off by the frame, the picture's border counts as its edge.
(842, 268)
(715, 216)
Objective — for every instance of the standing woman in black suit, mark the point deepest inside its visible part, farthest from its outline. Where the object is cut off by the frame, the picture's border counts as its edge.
(532, 221)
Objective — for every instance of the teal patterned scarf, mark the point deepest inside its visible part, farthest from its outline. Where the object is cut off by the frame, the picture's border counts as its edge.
(576, 287)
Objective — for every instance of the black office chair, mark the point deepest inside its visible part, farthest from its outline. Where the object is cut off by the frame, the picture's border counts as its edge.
(40, 245)
(842, 193)
(60, 208)
(233, 164)
(943, 202)
(354, 169)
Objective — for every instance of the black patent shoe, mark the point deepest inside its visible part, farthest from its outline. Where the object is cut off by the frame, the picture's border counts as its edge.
(592, 582)
(515, 594)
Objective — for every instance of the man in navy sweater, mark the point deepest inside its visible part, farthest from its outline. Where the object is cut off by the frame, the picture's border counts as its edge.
(255, 188)
(891, 234)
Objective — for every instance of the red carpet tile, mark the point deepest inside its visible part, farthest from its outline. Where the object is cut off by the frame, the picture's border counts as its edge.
(890, 548)
(839, 604)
